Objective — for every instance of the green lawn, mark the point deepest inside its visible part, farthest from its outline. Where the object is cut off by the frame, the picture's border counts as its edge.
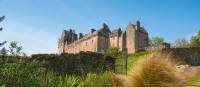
(132, 60)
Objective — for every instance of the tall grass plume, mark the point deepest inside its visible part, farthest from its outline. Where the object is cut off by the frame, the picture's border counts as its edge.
(157, 71)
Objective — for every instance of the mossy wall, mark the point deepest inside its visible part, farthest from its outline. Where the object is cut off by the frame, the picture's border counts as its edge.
(189, 56)
(78, 64)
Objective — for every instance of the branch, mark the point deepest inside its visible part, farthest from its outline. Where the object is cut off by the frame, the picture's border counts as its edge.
(1, 29)
(2, 43)
(2, 18)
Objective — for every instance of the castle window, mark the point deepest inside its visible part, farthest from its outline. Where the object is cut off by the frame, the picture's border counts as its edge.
(92, 41)
(86, 43)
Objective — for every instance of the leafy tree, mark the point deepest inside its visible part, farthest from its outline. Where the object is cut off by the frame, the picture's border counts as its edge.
(113, 52)
(156, 40)
(195, 40)
(15, 50)
(3, 51)
(181, 43)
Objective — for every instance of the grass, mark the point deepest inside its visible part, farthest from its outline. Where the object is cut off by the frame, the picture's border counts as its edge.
(156, 71)
(195, 80)
(97, 80)
(132, 60)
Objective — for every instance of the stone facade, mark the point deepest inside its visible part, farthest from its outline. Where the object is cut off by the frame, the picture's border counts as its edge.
(134, 38)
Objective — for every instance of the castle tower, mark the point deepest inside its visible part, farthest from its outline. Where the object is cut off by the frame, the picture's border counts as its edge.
(103, 38)
(136, 37)
(62, 42)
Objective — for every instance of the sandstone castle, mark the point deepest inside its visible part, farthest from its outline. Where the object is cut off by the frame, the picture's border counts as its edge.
(134, 38)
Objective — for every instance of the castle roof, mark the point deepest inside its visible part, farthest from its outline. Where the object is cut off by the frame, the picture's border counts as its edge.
(116, 32)
(137, 27)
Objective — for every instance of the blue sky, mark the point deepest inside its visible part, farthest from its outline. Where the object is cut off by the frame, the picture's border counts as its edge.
(37, 24)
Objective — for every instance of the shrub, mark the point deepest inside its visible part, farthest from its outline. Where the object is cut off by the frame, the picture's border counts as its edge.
(95, 80)
(67, 81)
(20, 72)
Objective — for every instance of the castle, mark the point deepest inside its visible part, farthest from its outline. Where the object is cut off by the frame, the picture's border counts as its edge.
(134, 38)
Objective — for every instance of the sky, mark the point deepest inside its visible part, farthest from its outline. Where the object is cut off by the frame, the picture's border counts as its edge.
(37, 24)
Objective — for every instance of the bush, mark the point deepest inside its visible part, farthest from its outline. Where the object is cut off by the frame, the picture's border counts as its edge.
(20, 72)
(76, 64)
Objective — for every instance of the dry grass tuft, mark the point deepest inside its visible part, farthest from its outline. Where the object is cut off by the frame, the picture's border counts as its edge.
(157, 71)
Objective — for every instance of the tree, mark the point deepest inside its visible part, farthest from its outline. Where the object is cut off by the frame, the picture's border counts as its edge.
(113, 52)
(181, 43)
(1, 19)
(15, 50)
(156, 40)
(3, 51)
(195, 40)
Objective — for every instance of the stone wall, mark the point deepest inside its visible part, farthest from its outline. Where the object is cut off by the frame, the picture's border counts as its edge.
(189, 56)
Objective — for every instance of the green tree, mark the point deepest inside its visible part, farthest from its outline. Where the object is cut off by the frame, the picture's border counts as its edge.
(195, 40)
(3, 51)
(113, 52)
(15, 50)
(181, 43)
(156, 40)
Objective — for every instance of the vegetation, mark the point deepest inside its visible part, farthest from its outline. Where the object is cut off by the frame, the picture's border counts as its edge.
(145, 69)
(195, 80)
(2, 51)
(181, 43)
(156, 71)
(156, 41)
(133, 59)
(195, 40)
(113, 52)
(94, 80)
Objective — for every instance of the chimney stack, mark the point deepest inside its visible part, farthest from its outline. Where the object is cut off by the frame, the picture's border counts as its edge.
(93, 30)
(80, 35)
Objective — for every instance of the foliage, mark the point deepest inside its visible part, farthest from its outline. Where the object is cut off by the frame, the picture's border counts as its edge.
(195, 40)
(53, 80)
(156, 71)
(195, 80)
(188, 56)
(156, 41)
(95, 80)
(133, 59)
(113, 52)
(67, 81)
(15, 71)
(14, 49)
(76, 64)
(3, 51)
(181, 43)
(1, 19)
